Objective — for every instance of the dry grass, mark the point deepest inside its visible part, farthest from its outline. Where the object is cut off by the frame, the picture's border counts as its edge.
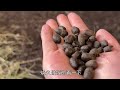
(14, 70)
(11, 46)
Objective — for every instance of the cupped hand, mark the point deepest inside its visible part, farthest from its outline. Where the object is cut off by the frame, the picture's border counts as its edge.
(54, 57)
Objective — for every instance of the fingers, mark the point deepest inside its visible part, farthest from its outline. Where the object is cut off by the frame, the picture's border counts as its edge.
(52, 23)
(53, 61)
(104, 35)
(57, 63)
(63, 21)
(47, 41)
(75, 20)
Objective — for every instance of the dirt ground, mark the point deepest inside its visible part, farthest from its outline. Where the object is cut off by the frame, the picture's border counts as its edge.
(32, 21)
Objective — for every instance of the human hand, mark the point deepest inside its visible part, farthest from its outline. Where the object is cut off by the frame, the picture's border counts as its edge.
(54, 57)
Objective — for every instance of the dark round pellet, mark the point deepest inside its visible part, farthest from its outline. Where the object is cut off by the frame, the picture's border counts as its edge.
(81, 69)
(91, 63)
(69, 39)
(104, 43)
(100, 49)
(77, 48)
(75, 44)
(80, 62)
(66, 45)
(81, 39)
(76, 54)
(92, 38)
(76, 37)
(107, 49)
(88, 73)
(61, 31)
(56, 38)
(73, 62)
(89, 32)
(86, 57)
(96, 44)
(89, 43)
(62, 27)
(85, 36)
(58, 31)
(75, 30)
(64, 33)
(94, 52)
(85, 48)
(69, 51)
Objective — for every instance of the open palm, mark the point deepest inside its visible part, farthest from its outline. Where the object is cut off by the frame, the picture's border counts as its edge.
(54, 57)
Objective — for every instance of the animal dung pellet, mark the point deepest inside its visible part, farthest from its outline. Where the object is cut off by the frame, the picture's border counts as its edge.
(96, 44)
(80, 62)
(69, 39)
(64, 33)
(73, 62)
(76, 37)
(76, 54)
(66, 45)
(89, 43)
(58, 31)
(62, 27)
(81, 69)
(100, 49)
(75, 30)
(77, 48)
(89, 32)
(81, 39)
(82, 49)
(94, 52)
(92, 38)
(75, 44)
(86, 57)
(56, 38)
(85, 48)
(69, 51)
(61, 31)
(88, 73)
(104, 43)
(91, 63)
(107, 48)
(86, 37)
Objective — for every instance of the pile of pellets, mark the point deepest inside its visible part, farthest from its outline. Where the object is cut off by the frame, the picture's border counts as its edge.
(82, 49)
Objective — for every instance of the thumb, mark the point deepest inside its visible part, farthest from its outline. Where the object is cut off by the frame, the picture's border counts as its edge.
(104, 35)
(47, 41)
